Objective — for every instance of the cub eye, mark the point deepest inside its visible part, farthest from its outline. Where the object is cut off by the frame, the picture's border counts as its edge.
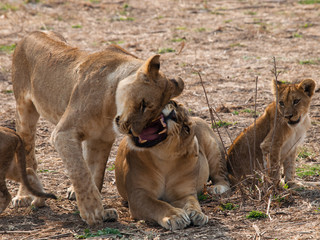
(281, 103)
(296, 101)
(143, 106)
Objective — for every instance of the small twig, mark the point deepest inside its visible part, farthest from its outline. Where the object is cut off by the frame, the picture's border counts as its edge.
(268, 208)
(259, 192)
(258, 233)
(213, 121)
(182, 45)
(254, 125)
(18, 232)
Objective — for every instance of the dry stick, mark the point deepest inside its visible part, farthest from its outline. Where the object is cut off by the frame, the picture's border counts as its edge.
(213, 120)
(276, 74)
(268, 208)
(254, 125)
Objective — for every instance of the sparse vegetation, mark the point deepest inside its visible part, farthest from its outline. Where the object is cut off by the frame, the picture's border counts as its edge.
(7, 48)
(309, 1)
(76, 26)
(8, 7)
(165, 50)
(297, 35)
(220, 124)
(308, 170)
(311, 62)
(256, 215)
(105, 231)
(178, 39)
(229, 206)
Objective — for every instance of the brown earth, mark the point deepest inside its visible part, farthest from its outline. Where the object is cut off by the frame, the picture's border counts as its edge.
(230, 43)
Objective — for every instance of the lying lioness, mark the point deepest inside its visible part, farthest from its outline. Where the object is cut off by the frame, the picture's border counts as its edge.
(86, 95)
(161, 172)
(275, 147)
(13, 166)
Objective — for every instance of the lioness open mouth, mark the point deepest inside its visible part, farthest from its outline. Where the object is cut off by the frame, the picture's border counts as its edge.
(294, 122)
(153, 133)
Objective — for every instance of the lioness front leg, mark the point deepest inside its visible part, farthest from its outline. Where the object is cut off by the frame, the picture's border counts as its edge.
(88, 196)
(191, 205)
(144, 206)
(96, 153)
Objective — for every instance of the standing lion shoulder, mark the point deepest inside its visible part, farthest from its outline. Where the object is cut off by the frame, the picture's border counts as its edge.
(161, 172)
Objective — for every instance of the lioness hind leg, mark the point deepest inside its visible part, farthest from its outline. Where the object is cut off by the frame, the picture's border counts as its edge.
(26, 121)
(96, 153)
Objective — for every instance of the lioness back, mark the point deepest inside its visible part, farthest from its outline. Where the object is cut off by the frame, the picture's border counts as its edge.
(265, 148)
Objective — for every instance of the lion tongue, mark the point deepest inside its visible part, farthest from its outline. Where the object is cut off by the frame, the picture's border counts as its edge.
(149, 134)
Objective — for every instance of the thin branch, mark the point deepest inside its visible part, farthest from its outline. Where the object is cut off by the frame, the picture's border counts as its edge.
(254, 124)
(268, 208)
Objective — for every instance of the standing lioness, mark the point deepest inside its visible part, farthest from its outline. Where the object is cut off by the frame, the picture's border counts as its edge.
(161, 172)
(82, 93)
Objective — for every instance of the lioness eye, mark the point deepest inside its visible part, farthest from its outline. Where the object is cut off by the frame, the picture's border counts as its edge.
(281, 103)
(143, 106)
(296, 101)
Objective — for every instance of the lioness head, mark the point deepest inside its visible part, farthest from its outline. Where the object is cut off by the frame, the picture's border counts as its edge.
(172, 129)
(294, 99)
(141, 97)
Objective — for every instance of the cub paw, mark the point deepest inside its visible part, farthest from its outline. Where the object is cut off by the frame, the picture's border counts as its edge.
(71, 194)
(38, 202)
(110, 215)
(21, 201)
(198, 218)
(218, 189)
(178, 219)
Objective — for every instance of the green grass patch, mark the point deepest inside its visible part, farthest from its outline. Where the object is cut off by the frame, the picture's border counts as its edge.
(235, 112)
(106, 231)
(309, 1)
(116, 42)
(178, 39)
(256, 215)
(220, 124)
(181, 28)
(305, 153)
(251, 13)
(228, 21)
(166, 50)
(228, 206)
(95, 1)
(111, 168)
(308, 170)
(7, 91)
(8, 7)
(297, 35)
(202, 29)
(307, 25)
(309, 62)
(203, 196)
(76, 26)
(7, 48)
(129, 19)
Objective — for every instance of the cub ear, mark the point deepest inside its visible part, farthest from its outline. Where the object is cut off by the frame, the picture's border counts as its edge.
(150, 69)
(308, 86)
(275, 85)
(177, 86)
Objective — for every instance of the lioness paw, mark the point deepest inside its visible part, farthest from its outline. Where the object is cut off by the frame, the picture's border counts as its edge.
(21, 201)
(218, 189)
(178, 220)
(71, 195)
(198, 218)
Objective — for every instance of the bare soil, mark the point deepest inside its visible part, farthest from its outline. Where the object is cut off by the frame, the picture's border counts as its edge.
(230, 43)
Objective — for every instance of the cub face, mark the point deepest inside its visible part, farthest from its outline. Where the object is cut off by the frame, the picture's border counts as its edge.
(294, 100)
(172, 129)
(141, 97)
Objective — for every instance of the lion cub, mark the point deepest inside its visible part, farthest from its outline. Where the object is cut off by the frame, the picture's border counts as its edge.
(13, 166)
(161, 172)
(292, 124)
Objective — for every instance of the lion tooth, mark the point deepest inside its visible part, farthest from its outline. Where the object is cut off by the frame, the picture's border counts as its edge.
(163, 123)
(163, 131)
(142, 141)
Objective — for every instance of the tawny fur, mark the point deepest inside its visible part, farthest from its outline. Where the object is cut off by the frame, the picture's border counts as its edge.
(13, 166)
(292, 124)
(87, 96)
(161, 183)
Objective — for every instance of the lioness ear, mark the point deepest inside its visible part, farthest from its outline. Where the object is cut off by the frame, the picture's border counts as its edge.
(308, 86)
(150, 69)
(177, 86)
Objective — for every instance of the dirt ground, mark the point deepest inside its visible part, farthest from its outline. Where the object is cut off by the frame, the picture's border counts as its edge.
(230, 43)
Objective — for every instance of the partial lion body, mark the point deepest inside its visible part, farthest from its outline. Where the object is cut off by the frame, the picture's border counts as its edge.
(13, 166)
(161, 183)
(277, 147)
(87, 96)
